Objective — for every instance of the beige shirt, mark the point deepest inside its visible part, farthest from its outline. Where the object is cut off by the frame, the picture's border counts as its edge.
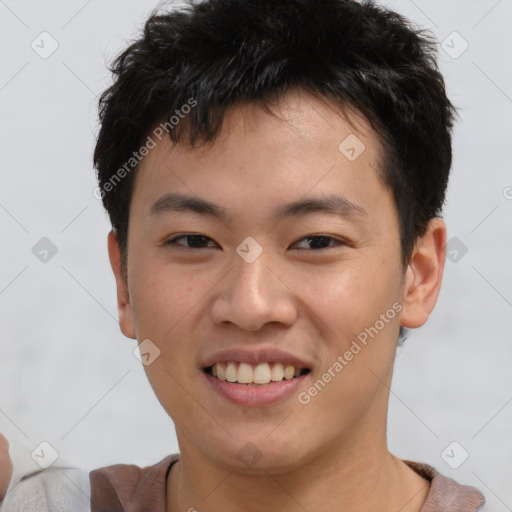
(123, 488)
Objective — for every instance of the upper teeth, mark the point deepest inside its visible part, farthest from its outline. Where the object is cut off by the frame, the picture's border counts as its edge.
(263, 373)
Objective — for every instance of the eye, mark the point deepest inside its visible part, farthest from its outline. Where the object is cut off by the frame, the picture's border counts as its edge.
(321, 241)
(197, 241)
(314, 242)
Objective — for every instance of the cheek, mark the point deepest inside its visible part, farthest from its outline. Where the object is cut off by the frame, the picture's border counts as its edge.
(165, 301)
(163, 296)
(355, 311)
(169, 305)
(348, 297)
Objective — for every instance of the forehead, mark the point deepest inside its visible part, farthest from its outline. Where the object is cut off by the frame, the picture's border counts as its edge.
(295, 123)
(303, 146)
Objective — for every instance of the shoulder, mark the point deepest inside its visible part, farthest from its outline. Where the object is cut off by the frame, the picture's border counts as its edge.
(57, 489)
(445, 493)
(117, 487)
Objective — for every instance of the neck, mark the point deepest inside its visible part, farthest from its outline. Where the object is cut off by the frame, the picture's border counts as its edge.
(365, 480)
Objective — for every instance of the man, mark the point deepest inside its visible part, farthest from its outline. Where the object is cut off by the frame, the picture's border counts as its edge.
(275, 173)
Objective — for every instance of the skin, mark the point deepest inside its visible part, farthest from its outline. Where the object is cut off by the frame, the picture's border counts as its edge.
(5, 466)
(330, 454)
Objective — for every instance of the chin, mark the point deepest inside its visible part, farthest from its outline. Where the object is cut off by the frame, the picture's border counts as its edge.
(260, 454)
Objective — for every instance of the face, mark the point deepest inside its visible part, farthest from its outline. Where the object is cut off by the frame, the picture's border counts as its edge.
(264, 276)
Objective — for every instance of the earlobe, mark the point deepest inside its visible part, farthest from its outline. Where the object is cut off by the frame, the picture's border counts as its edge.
(123, 297)
(424, 275)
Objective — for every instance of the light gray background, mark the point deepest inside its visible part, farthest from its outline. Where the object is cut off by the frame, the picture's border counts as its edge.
(67, 374)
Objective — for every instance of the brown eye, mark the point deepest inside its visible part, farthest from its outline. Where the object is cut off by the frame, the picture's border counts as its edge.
(316, 242)
(194, 241)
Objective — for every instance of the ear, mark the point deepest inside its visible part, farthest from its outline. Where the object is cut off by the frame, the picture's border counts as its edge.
(123, 297)
(424, 274)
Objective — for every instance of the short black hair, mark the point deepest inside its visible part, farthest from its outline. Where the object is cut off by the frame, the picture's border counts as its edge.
(214, 54)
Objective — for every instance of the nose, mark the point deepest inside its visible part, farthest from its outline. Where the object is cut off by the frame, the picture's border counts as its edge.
(254, 294)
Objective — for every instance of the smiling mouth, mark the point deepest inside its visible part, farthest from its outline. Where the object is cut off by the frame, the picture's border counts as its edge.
(257, 375)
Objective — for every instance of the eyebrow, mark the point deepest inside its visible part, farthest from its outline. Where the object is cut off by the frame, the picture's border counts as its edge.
(330, 203)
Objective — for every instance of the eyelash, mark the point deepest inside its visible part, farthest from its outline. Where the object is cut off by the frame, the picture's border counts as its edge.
(172, 242)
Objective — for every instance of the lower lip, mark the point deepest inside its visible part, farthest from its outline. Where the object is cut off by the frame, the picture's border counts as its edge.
(255, 395)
